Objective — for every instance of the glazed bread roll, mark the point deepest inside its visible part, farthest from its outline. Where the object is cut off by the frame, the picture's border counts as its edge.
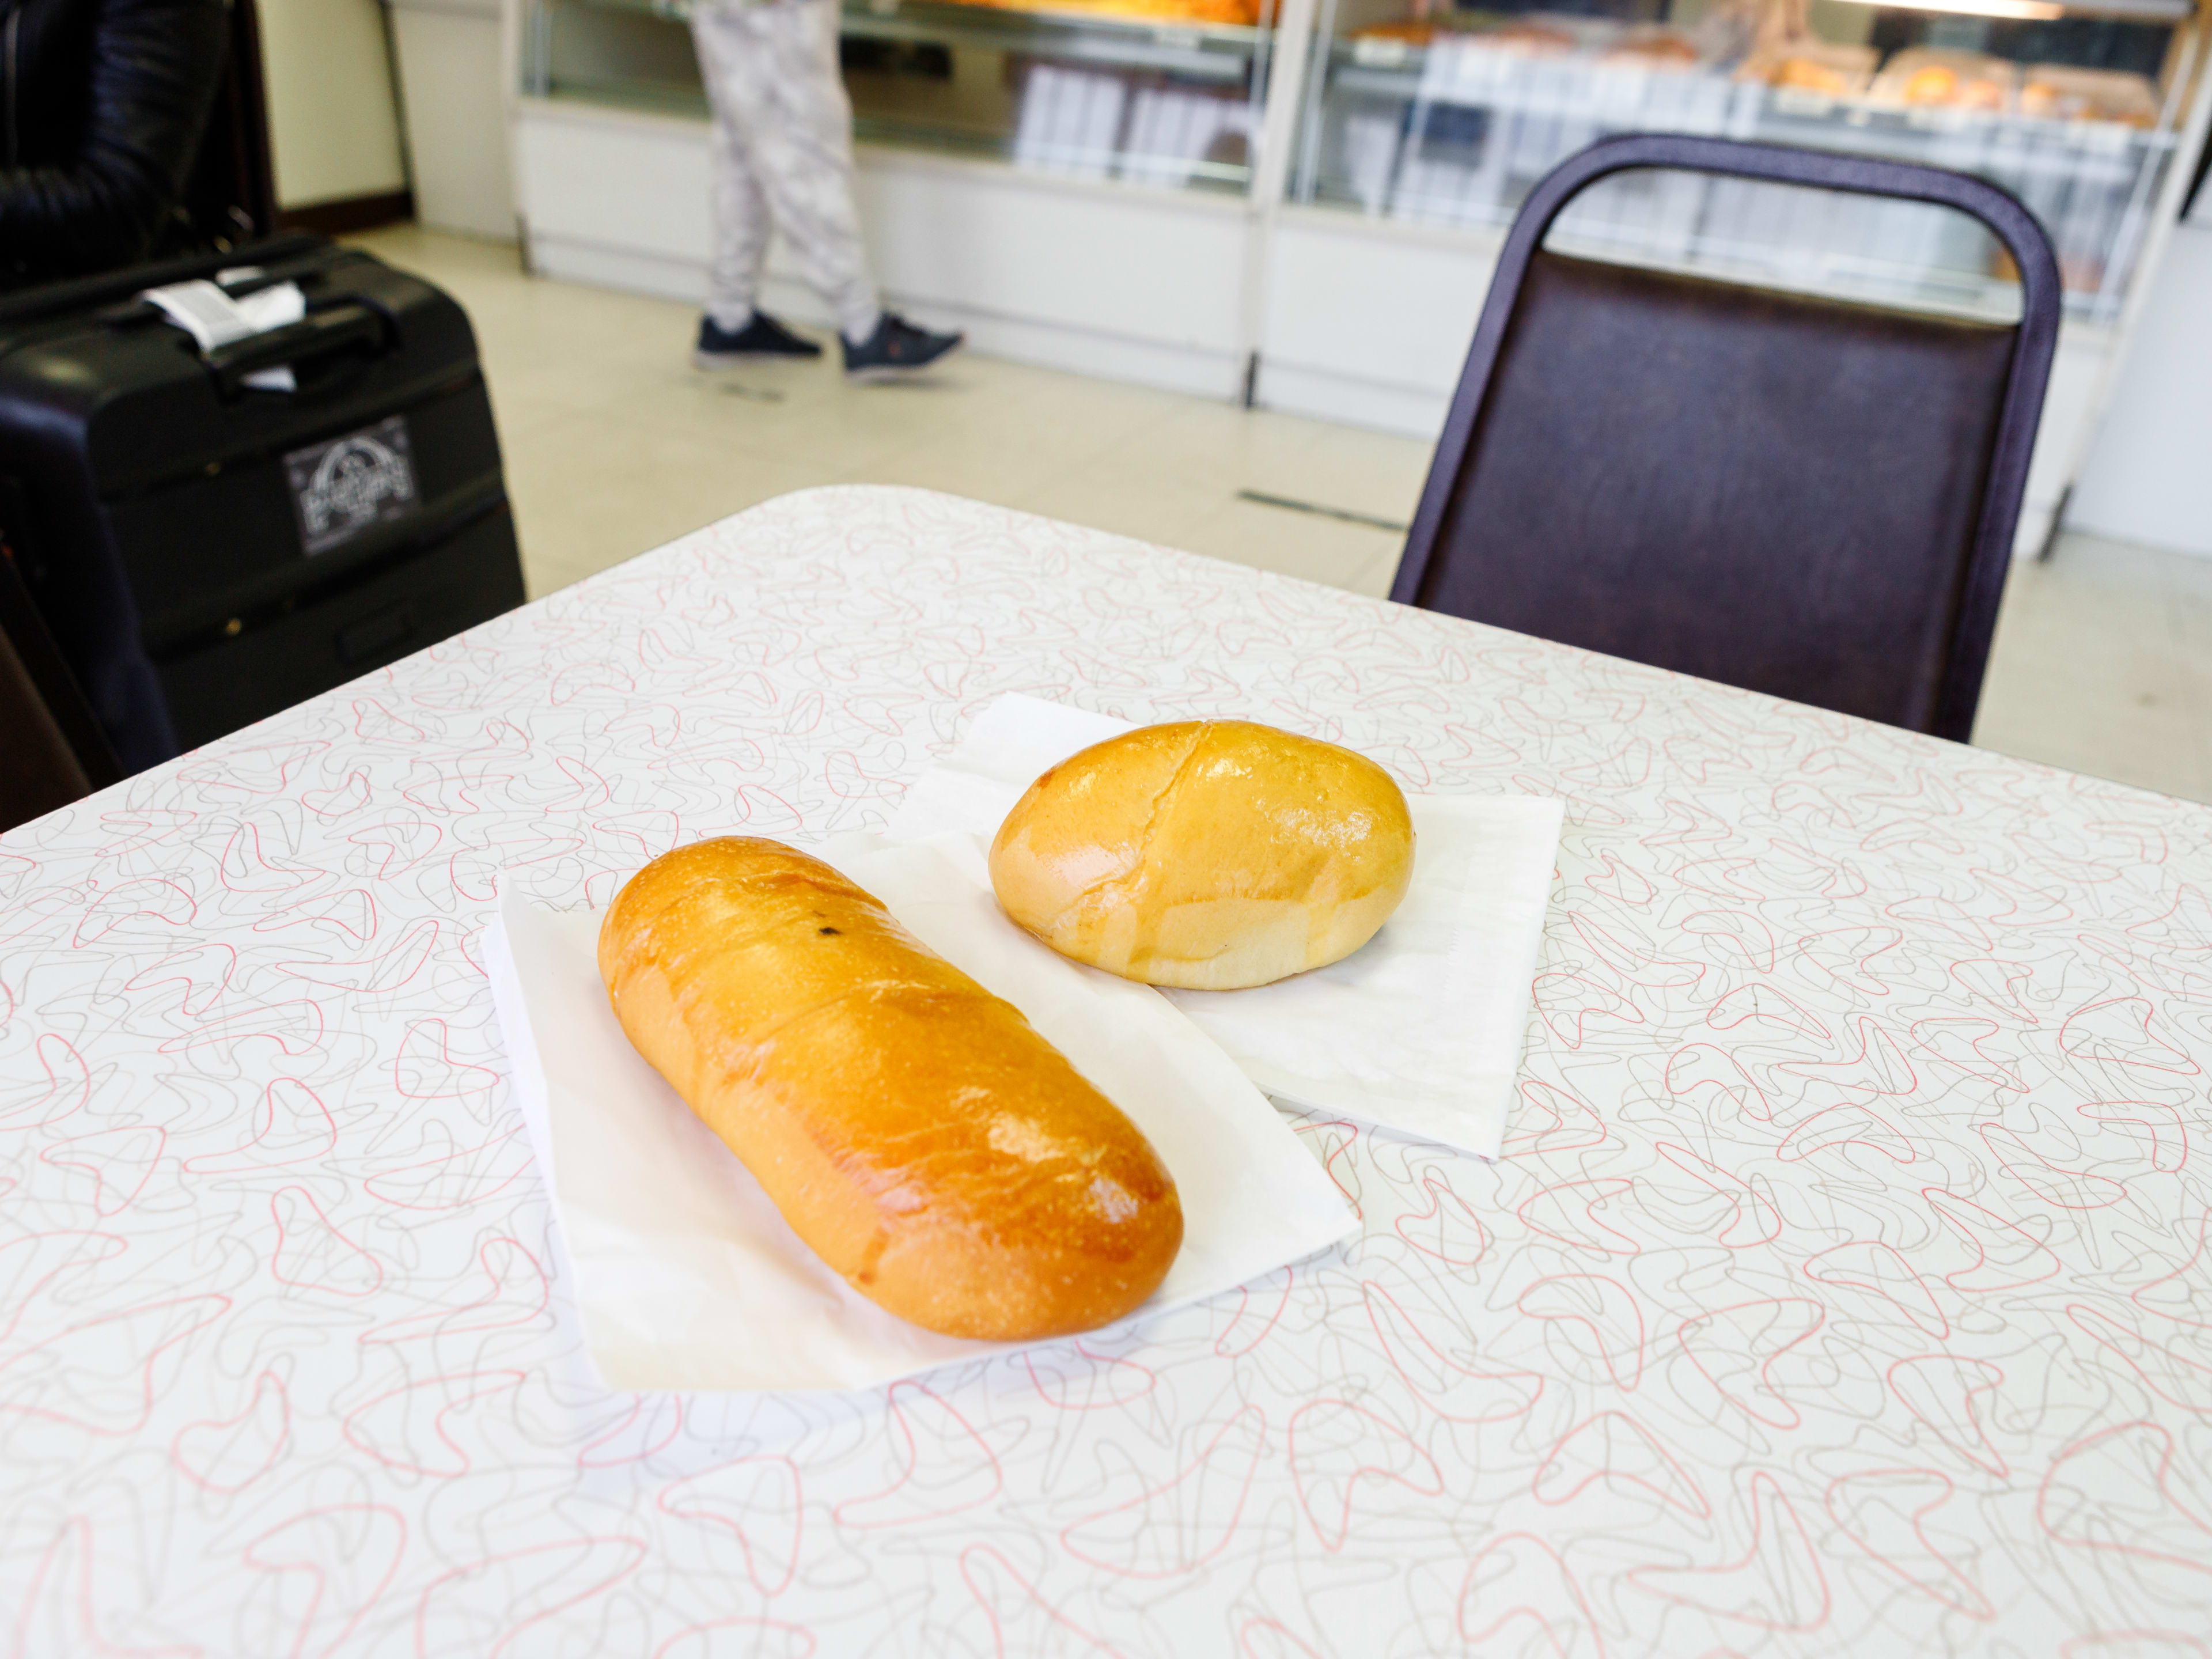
(913, 1128)
(1209, 855)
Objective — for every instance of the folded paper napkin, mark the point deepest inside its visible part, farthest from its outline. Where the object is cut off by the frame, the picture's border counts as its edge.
(687, 1276)
(1420, 1030)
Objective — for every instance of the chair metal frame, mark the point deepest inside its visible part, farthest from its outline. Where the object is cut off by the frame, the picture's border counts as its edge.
(2035, 343)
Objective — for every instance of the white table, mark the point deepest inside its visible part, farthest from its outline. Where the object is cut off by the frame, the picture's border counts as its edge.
(1847, 1288)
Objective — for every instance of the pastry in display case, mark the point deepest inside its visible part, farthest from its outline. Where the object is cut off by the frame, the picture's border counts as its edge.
(1815, 67)
(2053, 92)
(1921, 78)
(1406, 31)
(1535, 35)
(1235, 13)
(1654, 48)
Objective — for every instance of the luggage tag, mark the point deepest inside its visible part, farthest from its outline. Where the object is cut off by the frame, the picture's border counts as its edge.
(213, 318)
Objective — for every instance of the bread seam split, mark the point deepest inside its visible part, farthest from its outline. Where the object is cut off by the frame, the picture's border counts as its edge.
(1161, 803)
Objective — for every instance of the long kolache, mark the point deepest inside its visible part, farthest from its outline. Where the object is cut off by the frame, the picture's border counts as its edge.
(913, 1129)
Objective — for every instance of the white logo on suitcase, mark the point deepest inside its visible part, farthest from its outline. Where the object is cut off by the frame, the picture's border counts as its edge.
(342, 487)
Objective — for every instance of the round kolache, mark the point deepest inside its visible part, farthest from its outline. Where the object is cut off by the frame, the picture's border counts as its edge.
(1207, 855)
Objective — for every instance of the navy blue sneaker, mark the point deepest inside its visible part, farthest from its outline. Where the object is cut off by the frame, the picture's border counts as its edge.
(763, 337)
(897, 348)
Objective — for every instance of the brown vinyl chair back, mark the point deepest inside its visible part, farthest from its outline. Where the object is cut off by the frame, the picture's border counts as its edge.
(1795, 494)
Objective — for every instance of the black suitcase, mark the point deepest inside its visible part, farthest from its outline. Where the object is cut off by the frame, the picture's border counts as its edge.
(205, 552)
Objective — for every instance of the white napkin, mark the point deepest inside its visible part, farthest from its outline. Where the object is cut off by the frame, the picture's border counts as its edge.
(1419, 1031)
(688, 1278)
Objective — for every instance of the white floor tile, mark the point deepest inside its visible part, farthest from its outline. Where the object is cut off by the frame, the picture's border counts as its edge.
(2093, 669)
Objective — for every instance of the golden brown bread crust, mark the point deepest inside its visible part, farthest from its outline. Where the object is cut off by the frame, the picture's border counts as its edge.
(913, 1129)
(1207, 854)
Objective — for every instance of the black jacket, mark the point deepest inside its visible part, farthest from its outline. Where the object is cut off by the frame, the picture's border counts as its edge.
(102, 103)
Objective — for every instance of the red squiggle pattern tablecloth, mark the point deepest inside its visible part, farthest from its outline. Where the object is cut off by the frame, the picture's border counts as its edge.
(1846, 1289)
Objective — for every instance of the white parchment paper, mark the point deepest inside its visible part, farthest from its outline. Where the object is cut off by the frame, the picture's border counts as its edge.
(1421, 1030)
(688, 1278)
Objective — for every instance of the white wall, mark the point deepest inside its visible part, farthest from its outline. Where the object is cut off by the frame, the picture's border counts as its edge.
(2148, 478)
(457, 145)
(333, 122)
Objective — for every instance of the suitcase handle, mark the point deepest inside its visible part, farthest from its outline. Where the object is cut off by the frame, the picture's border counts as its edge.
(354, 329)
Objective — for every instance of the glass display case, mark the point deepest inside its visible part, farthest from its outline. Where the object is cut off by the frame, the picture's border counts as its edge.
(1165, 92)
(1441, 115)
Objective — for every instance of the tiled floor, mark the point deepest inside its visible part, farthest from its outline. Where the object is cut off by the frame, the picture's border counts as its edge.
(615, 444)
(2103, 664)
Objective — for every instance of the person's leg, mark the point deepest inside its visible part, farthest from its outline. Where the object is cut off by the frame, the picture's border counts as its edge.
(734, 65)
(802, 143)
(798, 137)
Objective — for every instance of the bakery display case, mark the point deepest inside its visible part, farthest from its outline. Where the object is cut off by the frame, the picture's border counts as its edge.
(1161, 93)
(1444, 117)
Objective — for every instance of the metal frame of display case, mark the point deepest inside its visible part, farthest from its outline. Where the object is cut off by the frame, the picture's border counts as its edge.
(1235, 288)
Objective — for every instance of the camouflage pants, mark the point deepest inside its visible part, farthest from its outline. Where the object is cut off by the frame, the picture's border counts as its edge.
(782, 156)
